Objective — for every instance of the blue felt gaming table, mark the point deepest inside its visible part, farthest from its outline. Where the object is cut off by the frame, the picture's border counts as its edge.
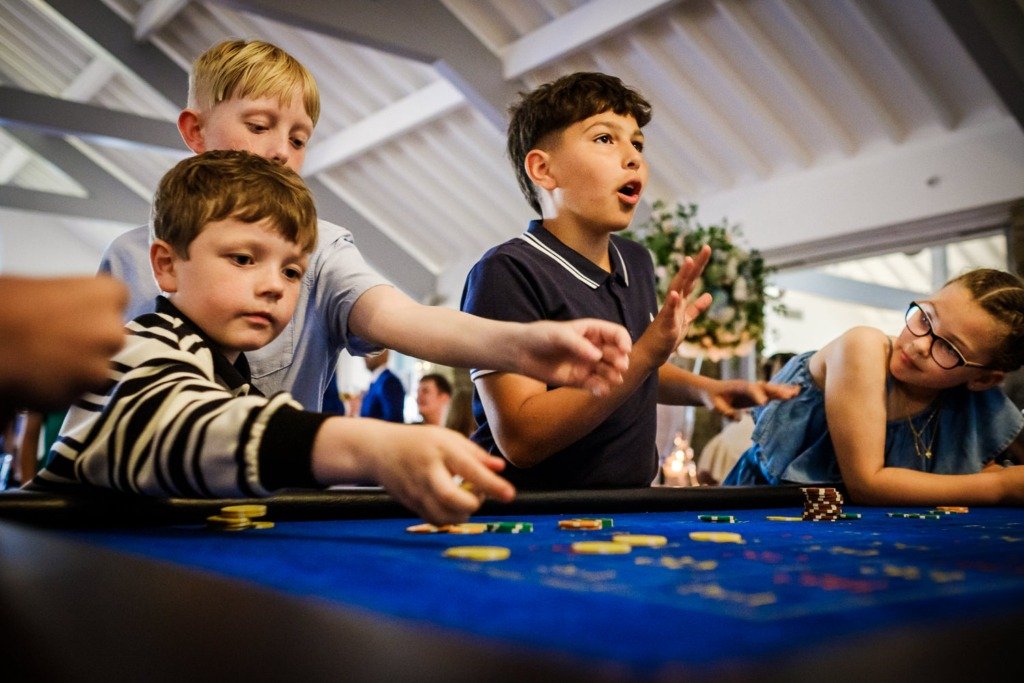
(792, 596)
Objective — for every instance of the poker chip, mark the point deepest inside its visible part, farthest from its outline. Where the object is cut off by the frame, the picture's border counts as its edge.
(467, 528)
(727, 519)
(822, 504)
(601, 548)
(588, 524)
(244, 511)
(478, 553)
(913, 515)
(646, 540)
(224, 523)
(716, 536)
(956, 509)
(423, 529)
(780, 518)
(510, 527)
(239, 518)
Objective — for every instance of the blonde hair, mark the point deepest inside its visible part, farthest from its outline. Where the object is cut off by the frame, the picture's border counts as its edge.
(250, 69)
(224, 184)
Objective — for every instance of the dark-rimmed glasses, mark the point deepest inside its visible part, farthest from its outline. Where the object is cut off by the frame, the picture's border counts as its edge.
(943, 352)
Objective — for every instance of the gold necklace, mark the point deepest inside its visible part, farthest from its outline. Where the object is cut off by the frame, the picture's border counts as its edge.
(920, 448)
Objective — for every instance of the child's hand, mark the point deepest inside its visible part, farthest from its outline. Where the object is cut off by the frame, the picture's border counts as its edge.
(668, 329)
(417, 465)
(586, 353)
(729, 397)
(419, 469)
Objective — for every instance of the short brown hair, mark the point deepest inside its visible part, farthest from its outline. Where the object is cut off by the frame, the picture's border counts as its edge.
(251, 69)
(440, 381)
(1001, 295)
(555, 106)
(224, 184)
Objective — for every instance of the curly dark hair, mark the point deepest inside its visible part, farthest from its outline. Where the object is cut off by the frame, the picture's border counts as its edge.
(557, 105)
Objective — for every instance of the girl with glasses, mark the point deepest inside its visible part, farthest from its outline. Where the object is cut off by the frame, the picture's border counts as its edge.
(916, 419)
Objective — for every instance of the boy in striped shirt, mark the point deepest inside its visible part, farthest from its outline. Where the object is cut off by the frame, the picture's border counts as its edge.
(180, 416)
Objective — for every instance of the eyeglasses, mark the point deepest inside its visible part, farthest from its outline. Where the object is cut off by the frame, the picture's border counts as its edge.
(942, 351)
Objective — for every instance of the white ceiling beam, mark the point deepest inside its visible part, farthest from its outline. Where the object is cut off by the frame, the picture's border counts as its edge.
(423, 31)
(87, 83)
(56, 116)
(895, 194)
(409, 113)
(580, 28)
(154, 15)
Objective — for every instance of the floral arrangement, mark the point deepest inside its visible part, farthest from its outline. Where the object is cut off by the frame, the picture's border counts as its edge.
(735, 277)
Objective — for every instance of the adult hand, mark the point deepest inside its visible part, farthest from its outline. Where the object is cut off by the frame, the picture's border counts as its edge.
(56, 338)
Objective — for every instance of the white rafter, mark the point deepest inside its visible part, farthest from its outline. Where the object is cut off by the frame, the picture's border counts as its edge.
(154, 15)
(86, 84)
(573, 31)
(408, 113)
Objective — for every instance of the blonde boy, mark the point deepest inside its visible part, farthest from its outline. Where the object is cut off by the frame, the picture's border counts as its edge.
(232, 237)
(253, 96)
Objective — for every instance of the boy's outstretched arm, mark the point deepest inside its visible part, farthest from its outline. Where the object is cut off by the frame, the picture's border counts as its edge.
(591, 354)
(727, 397)
(415, 463)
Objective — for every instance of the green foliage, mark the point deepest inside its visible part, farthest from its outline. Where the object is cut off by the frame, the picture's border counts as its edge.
(736, 278)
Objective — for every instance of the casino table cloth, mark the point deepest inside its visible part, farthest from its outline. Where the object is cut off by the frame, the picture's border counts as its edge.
(890, 597)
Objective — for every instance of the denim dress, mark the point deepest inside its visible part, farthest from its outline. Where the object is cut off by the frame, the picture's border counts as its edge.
(792, 442)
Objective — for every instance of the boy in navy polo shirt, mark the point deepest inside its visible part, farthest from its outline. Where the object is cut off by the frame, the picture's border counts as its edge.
(577, 148)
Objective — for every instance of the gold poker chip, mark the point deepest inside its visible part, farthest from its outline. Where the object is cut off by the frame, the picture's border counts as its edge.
(601, 548)
(647, 540)
(716, 536)
(478, 553)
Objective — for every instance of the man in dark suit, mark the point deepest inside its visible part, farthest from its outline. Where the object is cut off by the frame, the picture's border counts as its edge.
(385, 398)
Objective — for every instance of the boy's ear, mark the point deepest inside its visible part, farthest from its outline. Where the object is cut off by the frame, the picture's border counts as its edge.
(190, 126)
(163, 261)
(986, 380)
(538, 168)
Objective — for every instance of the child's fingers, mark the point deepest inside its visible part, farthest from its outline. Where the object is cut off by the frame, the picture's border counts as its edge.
(477, 470)
(781, 391)
(702, 304)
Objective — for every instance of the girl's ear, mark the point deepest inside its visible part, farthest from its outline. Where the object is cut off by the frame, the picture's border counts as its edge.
(986, 380)
(163, 260)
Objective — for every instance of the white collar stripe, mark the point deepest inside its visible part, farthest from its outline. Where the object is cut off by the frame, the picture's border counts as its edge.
(622, 262)
(546, 250)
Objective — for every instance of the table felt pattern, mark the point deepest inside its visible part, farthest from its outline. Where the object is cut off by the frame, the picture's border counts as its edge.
(789, 586)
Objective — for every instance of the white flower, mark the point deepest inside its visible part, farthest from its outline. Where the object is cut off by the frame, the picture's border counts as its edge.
(739, 290)
(732, 267)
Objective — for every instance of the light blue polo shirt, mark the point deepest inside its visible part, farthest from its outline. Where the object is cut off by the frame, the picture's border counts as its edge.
(303, 357)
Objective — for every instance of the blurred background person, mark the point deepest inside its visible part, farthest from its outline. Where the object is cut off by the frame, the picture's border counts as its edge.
(433, 396)
(385, 397)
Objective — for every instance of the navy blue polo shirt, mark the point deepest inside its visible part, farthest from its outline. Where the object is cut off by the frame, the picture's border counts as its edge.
(537, 277)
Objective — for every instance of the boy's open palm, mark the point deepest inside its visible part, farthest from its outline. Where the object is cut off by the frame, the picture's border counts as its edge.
(670, 325)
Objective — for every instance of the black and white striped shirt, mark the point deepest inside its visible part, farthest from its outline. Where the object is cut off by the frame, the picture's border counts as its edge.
(178, 420)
